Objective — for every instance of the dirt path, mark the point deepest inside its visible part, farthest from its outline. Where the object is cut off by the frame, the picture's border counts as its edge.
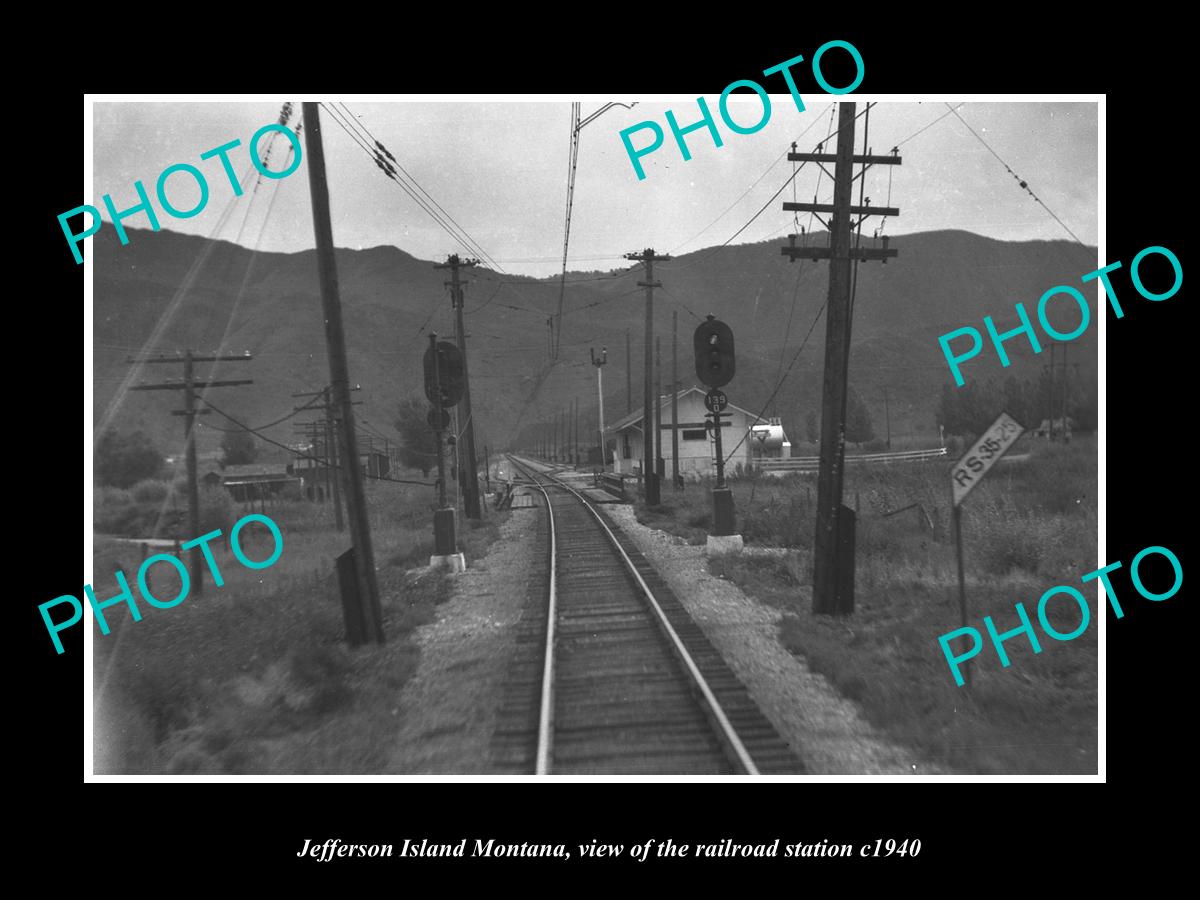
(824, 727)
(447, 709)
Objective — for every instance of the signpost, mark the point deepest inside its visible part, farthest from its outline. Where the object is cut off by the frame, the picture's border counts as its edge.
(715, 401)
(964, 476)
(443, 388)
(715, 366)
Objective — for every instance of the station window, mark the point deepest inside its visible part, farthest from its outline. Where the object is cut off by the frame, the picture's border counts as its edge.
(697, 434)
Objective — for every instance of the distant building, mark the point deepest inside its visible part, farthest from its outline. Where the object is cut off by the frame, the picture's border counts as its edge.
(697, 449)
(257, 480)
(1061, 427)
(374, 464)
(768, 441)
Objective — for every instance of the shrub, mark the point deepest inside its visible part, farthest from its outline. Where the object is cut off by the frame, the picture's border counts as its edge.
(150, 491)
(122, 460)
(320, 672)
(217, 510)
(291, 493)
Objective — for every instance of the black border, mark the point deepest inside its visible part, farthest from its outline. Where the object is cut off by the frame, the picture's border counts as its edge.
(999, 49)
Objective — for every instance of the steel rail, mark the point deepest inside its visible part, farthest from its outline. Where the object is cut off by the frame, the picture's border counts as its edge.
(545, 739)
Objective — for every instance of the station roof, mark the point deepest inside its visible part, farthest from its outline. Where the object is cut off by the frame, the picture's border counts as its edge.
(635, 417)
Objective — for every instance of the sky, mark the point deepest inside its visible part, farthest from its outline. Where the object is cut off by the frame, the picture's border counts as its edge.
(499, 169)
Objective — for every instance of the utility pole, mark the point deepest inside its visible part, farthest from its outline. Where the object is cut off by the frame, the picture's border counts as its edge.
(189, 385)
(331, 448)
(599, 364)
(628, 375)
(831, 593)
(335, 343)
(331, 456)
(1050, 405)
(659, 464)
(675, 398)
(650, 477)
(1065, 431)
(468, 475)
(575, 439)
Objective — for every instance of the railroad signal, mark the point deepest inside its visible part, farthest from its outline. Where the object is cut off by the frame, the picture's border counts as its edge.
(713, 344)
(449, 374)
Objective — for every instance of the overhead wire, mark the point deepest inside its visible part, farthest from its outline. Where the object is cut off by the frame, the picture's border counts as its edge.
(753, 218)
(388, 163)
(742, 196)
(1021, 181)
(572, 165)
(321, 462)
(380, 148)
(389, 170)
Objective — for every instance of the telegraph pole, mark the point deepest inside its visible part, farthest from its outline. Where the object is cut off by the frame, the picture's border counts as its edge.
(628, 375)
(599, 364)
(331, 449)
(1065, 432)
(468, 476)
(675, 398)
(575, 439)
(331, 457)
(335, 343)
(1050, 414)
(887, 417)
(831, 593)
(659, 464)
(189, 385)
(650, 477)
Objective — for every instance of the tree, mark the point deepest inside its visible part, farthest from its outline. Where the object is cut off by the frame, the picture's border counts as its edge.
(859, 428)
(238, 448)
(122, 460)
(418, 445)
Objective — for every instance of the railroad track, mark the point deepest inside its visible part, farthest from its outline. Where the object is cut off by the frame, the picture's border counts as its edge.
(612, 676)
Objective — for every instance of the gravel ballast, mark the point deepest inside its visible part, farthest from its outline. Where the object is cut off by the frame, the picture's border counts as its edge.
(824, 727)
(447, 710)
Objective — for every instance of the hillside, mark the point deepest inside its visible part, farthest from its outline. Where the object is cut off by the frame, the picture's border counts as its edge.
(269, 304)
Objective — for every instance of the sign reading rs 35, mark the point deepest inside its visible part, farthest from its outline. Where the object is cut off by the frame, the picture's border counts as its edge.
(992, 444)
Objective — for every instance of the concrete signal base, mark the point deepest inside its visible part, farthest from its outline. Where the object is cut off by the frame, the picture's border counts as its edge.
(444, 554)
(723, 544)
(455, 562)
(723, 540)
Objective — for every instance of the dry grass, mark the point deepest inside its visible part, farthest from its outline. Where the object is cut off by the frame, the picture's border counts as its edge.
(1029, 527)
(254, 676)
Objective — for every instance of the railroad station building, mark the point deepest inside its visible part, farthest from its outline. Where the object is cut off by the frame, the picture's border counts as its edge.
(697, 448)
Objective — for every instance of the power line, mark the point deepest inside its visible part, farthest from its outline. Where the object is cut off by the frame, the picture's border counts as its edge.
(1023, 183)
(318, 460)
(379, 145)
(572, 165)
(767, 171)
(733, 236)
(927, 127)
(779, 384)
(294, 412)
(389, 171)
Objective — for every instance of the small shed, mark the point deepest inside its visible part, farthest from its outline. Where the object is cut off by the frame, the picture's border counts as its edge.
(257, 480)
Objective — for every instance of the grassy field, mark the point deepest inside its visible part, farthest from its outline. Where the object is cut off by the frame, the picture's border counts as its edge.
(255, 676)
(1030, 525)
